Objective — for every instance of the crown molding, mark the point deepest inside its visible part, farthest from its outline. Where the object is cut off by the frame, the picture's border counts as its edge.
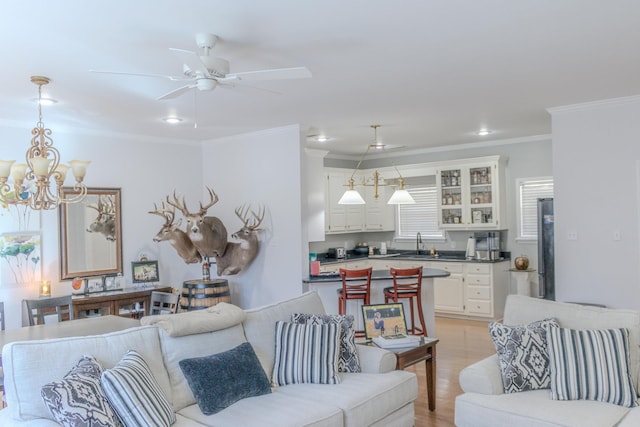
(456, 147)
(594, 105)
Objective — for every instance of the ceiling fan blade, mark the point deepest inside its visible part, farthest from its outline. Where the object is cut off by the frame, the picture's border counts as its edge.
(274, 74)
(177, 92)
(162, 76)
(245, 88)
(191, 59)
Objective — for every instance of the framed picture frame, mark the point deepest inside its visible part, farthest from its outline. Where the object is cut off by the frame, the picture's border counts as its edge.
(145, 271)
(383, 320)
(21, 257)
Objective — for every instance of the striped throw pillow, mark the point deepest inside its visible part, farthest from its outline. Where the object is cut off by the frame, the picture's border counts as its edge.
(591, 365)
(306, 354)
(135, 394)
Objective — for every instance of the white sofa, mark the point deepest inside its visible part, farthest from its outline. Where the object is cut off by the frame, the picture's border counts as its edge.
(484, 403)
(379, 396)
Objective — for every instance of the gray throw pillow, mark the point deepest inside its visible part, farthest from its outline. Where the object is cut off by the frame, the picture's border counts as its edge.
(220, 380)
(349, 360)
(522, 350)
(77, 400)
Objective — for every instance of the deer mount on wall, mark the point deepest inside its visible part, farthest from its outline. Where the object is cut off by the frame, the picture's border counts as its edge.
(105, 222)
(206, 236)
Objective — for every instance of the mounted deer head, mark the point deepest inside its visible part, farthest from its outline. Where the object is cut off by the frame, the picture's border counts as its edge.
(171, 233)
(105, 222)
(239, 255)
(207, 233)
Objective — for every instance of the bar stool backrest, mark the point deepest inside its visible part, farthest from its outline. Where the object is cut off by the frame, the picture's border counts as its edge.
(407, 279)
(355, 286)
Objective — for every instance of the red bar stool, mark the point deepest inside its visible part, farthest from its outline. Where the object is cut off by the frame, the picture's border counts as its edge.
(356, 285)
(407, 283)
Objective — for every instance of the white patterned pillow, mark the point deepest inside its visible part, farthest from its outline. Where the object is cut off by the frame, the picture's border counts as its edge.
(306, 354)
(522, 351)
(77, 400)
(135, 394)
(591, 365)
(349, 360)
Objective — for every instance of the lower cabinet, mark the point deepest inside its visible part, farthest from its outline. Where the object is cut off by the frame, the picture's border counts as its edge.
(449, 291)
(474, 290)
(131, 302)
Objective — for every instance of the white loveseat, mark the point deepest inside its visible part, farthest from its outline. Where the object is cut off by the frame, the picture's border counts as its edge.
(484, 403)
(379, 396)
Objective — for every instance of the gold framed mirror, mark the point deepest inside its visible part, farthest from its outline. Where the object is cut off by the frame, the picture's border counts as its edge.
(90, 234)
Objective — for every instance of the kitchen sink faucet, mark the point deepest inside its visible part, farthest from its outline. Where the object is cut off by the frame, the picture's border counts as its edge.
(418, 243)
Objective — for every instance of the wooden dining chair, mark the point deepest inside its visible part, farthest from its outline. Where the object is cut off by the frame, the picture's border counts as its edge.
(38, 309)
(356, 285)
(407, 283)
(163, 303)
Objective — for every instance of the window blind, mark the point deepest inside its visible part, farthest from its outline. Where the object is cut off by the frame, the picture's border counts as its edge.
(530, 191)
(421, 217)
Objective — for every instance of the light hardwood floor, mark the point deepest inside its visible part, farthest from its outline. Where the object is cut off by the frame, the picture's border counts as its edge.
(462, 342)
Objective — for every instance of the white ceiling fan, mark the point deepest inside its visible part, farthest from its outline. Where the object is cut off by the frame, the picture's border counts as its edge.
(206, 72)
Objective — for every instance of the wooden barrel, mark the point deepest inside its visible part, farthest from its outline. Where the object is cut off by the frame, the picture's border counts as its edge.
(200, 294)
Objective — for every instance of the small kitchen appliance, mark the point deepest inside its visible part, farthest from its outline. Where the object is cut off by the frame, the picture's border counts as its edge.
(487, 245)
(471, 248)
(337, 253)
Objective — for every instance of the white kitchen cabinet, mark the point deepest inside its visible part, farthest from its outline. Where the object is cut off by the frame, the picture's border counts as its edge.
(471, 194)
(340, 218)
(474, 290)
(449, 291)
(357, 264)
(378, 215)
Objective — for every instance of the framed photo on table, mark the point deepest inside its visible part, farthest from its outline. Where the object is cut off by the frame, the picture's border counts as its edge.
(145, 271)
(384, 320)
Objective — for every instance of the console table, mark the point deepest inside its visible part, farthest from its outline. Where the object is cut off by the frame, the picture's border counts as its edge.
(129, 302)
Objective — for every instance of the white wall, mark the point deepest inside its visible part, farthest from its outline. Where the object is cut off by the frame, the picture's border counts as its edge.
(261, 168)
(596, 157)
(145, 170)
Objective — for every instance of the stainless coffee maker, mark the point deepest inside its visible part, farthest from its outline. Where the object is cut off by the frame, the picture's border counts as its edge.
(487, 245)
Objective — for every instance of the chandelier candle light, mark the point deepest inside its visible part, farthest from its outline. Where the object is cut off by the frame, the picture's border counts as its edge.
(352, 197)
(43, 166)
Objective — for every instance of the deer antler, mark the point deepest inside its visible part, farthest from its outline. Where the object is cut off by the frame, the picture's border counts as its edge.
(243, 211)
(213, 201)
(176, 203)
(168, 214)
(258, 217)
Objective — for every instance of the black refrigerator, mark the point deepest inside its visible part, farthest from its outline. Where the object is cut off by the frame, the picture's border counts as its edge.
(546, 270)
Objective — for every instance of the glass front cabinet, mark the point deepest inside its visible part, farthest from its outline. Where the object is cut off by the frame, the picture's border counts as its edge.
(469, 194)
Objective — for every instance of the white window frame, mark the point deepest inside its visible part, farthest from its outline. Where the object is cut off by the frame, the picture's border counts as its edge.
(528, 191)
(428, 206)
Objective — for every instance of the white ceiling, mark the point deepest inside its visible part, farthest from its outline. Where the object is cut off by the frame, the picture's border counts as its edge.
(430, 72)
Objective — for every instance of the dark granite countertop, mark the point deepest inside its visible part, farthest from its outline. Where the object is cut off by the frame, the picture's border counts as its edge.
(427, 273)
(448, 256)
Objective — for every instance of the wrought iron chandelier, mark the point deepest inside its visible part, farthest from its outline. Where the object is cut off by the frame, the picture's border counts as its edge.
(38, 182)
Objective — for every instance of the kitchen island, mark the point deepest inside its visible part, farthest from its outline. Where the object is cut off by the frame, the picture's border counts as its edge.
(327, 286)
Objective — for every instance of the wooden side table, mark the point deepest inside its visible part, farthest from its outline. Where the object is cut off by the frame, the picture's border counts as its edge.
(426, 351)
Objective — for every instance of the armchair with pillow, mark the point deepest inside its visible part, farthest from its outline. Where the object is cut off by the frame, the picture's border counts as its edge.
(556, 364)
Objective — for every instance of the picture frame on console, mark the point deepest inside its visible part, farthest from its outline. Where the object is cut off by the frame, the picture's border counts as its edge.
(144, 272)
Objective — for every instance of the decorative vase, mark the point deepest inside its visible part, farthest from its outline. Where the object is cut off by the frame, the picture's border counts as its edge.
(522, 262)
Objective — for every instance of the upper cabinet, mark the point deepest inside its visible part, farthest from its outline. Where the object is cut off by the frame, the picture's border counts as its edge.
(340, 218)
(471, 194)
(374, 215)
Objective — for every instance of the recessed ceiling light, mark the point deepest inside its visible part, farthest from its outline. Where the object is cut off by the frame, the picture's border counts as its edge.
(483, 132)
(172, 120)
(45, 101)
